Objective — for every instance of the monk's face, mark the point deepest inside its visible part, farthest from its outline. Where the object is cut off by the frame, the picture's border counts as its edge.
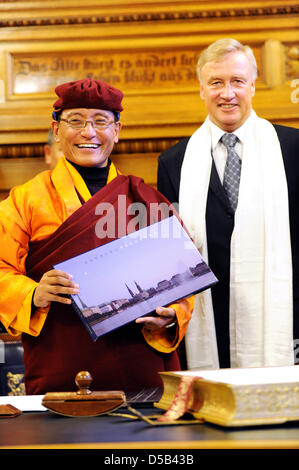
(227, 88)
(92, 144)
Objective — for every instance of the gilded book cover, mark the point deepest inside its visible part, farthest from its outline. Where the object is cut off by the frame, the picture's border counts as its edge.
(234, 397)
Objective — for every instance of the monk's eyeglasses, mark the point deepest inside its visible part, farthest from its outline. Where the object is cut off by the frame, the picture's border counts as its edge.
(81, 123)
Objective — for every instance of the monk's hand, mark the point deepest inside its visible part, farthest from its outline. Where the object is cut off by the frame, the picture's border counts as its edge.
(165, 318)
(51, 288)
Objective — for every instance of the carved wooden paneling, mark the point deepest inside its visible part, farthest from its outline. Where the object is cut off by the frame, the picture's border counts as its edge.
(15, 171)
(149, 49)
(18, 163)
(75, 12)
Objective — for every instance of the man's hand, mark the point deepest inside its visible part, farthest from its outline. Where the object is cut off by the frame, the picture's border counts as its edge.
(51, 286)
(165, 317)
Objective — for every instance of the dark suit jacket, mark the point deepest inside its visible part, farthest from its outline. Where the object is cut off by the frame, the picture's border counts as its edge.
(220, 223)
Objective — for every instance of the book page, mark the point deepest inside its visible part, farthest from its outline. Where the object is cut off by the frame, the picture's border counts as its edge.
(24, 402)
(248, 376)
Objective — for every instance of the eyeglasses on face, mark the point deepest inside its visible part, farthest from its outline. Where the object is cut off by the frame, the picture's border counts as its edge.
(81, 123)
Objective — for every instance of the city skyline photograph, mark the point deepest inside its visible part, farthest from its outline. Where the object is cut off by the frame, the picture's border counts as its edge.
(131, 268)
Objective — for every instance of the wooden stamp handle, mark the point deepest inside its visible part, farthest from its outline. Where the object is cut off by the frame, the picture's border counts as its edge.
(83, 381)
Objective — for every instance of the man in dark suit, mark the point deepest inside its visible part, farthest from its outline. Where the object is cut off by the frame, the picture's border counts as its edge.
(243, 219)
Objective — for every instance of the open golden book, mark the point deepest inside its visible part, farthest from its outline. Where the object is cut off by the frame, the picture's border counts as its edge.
(233, 397)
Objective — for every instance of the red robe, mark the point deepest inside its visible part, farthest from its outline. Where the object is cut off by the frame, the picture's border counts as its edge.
(129, 358)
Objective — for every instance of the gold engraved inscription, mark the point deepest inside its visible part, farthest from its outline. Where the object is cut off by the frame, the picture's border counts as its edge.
(151, 70)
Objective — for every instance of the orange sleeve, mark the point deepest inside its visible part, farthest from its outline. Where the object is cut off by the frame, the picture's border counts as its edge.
(163, 339)
(33, 211)
(16, 289)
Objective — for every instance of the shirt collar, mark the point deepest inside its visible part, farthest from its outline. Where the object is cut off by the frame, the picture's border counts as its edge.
(217, 132)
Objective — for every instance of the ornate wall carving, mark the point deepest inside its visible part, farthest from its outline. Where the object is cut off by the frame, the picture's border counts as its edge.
(136, 12)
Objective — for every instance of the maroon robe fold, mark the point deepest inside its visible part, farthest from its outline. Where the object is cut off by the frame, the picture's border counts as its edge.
(120, 360)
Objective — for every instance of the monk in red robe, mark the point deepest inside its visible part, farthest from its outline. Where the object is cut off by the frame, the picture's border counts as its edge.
(53, 217)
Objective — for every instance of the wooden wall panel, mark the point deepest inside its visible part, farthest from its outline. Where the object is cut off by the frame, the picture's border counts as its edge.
(147, 48)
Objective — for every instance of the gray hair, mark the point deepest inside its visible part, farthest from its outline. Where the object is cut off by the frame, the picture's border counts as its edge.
(50, 139)
(219, 49)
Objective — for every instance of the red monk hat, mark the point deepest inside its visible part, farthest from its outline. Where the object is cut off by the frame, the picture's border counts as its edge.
(88, 93)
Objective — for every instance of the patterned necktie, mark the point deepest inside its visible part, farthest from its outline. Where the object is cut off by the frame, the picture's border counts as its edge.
(232, 170)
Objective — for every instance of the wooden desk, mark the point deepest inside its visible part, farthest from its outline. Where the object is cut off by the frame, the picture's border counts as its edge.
(45, 430)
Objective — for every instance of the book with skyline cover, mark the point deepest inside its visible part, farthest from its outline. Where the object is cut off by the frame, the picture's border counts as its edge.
(130, 277)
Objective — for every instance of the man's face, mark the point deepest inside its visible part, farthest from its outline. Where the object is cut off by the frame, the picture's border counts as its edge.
(88, 146)
(227, 88)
